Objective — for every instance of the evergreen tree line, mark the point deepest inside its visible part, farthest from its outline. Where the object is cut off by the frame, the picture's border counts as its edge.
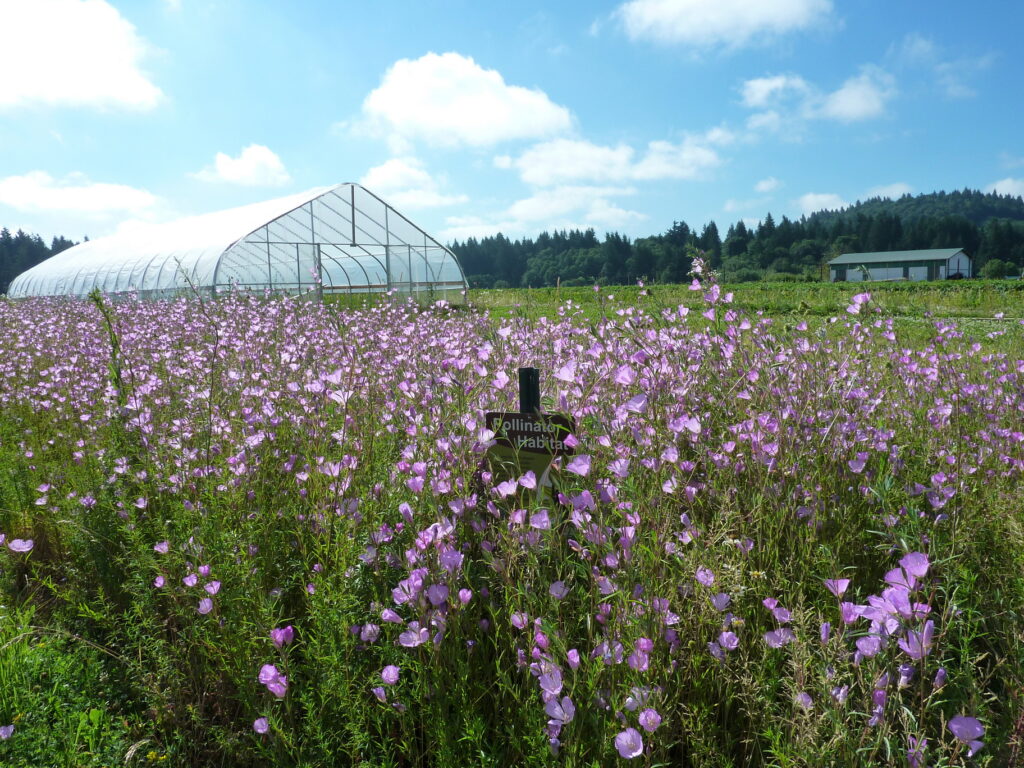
(784, 250)
(20, 251)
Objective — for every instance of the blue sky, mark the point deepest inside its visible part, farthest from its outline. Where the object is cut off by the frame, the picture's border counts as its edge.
(474, 117)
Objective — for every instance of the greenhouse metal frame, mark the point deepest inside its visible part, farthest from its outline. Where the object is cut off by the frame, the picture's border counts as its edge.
(341, 239)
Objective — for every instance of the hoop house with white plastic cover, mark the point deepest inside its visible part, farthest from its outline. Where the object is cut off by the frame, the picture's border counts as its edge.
(341, 239)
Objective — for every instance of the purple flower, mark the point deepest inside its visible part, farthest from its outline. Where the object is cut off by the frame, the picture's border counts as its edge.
(558, 590)
(915, 753)
(540, 521)
(966, 728)
(729, 641)
(20, 545)
(916, 564)
(390, 616)
(573, 657)
(437, 594)
(650, 720)
(212, 587)
(720, 601)
(917, 644)
(390, 674)
(869, 645)
(629, 743)
(580, 465)
(906, 675)
(563, 711)
(205, 606)
(414, 635)
(380, 693)
(840, 692)
(6, 731)
(940, 678)
(191, 580)
(779, 637)
(159, 581)
(369, 633)
(260, 725)
(282, 637)
(551, 682)
(837, 586)
(465, 595)
(276, 683)
(705, 576)
(161, 547)
(826, 631)
(519, 620)
(804, 701)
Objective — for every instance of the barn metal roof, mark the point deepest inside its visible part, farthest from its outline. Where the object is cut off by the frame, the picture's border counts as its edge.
(875, 257)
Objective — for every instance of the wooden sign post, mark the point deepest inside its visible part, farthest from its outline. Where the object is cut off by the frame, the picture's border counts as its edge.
(527, 440)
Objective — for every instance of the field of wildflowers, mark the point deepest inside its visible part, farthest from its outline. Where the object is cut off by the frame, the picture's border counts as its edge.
(258, 532)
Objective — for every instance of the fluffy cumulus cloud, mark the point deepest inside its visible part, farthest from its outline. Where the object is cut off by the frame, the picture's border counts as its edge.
(861, 97)
(562, 161)
(711, 23)
(404, 182)
(562, 207)
(767, 185)
(450, 100)
(820, 201)
(37, 191)
(255, 166)
(892, 191)
(786, 101)
(1007, 186)
(760, 92)
(71, 53)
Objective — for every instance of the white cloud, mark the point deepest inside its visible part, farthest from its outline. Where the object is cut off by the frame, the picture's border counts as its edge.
(1007, 186)
(255, 166)
(916, 49)
(37, 191)
(571, 160)
(729, 23)
(953, 76)
(770, 121)
(71, 53)
(564, 207)
(892, 191)
(767, 185)
(450, 100)
(786, 102)
(404, 182)
(820, 201)
(732, 205)
(952, 73)
(761, 91)
(861, 97)
(1010, 161)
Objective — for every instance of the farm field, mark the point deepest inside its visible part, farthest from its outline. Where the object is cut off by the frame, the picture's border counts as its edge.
(959, 299)
(255, 532)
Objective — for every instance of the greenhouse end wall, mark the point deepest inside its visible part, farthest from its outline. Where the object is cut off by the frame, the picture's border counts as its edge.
(341, 240)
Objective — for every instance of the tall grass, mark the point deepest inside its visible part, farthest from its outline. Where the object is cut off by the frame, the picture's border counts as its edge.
(241, 467)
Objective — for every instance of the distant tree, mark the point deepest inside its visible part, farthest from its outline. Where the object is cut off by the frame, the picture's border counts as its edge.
(997, 269)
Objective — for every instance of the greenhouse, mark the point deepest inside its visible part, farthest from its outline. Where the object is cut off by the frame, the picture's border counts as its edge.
(341, 239)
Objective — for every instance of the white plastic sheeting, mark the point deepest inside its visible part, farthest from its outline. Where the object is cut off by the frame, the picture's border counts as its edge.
(337, 239)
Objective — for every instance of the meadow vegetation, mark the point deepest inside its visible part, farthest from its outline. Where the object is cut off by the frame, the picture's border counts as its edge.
(258, 531)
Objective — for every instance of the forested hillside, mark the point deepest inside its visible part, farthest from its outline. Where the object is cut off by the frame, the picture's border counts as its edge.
(18, 252)
(989, 226)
